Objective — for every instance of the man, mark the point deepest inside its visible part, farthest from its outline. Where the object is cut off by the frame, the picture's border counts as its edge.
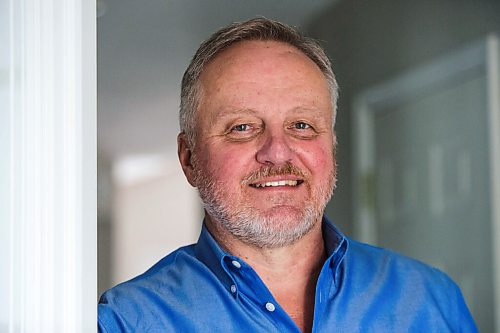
(258, 105)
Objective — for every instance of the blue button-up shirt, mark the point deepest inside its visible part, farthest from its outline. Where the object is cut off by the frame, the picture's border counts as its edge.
(361, 288)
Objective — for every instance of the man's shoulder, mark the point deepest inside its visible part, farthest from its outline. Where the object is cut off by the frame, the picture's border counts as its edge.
(381, 272)
(160, 273)
(383, 284)
(148, 295)
(384, 261)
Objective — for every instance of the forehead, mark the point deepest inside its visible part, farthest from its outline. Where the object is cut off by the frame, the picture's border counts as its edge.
(247, 57)
(262, 68)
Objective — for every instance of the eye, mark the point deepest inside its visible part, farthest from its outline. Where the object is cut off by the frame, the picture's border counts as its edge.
(301, 125)
(240, 128)
(303, 130)
(244, 131)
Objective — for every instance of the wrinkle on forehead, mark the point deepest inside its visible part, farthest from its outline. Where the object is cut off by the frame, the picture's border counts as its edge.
(229, 112)
(255, 53)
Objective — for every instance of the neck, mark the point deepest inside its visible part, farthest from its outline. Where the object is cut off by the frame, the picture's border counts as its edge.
(289, 272)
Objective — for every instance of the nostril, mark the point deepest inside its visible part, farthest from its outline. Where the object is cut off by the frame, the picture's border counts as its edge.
(275, 151)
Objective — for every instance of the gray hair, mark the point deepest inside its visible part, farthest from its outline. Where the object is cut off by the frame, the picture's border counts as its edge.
(254, 29)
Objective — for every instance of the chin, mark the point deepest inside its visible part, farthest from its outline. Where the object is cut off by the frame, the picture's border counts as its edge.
(278, 227)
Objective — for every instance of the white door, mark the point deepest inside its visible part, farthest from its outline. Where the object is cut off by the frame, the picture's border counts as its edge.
(426, 159)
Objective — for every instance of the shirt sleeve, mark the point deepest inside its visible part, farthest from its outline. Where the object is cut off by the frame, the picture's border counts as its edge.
(460, 314)
(101, 328)
(108, 321)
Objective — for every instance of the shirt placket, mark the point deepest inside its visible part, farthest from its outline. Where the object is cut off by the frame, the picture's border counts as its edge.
(249, 285)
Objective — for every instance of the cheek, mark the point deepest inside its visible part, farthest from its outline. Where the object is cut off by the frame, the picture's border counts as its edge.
(318, 158)
(228, 164)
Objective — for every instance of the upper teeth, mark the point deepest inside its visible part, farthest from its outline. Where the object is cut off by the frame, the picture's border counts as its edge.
(278, 183)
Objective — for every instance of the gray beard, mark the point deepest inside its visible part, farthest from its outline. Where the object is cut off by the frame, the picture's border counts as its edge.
(256, 228)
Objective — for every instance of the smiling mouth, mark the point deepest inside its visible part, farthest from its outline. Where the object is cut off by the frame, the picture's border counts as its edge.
(291, 183)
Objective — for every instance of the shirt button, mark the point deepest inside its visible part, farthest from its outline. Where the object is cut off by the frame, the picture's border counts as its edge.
(233, 288)
(236, 264)
(270, 307)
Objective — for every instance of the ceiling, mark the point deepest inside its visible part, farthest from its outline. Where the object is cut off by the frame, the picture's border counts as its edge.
(143, 50)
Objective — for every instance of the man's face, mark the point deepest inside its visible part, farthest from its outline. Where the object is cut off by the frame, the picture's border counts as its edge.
(264, 156)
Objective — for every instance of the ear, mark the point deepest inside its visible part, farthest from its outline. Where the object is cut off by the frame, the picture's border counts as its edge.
(184, 153)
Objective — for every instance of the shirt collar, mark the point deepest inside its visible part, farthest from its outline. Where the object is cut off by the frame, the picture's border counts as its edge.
(208, 251)
(336, 248)
(333, 237)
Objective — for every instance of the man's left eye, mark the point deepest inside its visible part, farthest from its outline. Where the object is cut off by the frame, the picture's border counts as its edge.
(241, 128)
(301, 126)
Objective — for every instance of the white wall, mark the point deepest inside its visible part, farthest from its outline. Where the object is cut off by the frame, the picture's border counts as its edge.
(155, 211)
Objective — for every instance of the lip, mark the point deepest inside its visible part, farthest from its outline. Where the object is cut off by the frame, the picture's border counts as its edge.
(280, 182)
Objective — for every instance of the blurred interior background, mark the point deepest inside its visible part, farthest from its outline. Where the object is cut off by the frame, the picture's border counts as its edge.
(416, 129)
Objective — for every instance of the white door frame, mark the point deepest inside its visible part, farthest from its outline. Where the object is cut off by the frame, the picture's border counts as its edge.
(48, 166)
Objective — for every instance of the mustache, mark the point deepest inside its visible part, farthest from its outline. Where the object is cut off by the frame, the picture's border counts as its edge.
(271, 170)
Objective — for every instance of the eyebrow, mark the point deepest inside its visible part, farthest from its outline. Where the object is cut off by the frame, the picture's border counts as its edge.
(227, 112)
(230, 112)
(238, 112)
(308, 110)
(246, 111)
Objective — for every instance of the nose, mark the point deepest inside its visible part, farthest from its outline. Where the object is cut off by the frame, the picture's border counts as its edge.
(275, 150)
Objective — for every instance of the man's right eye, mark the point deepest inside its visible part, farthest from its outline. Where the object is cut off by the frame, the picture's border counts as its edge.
(243, 131)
